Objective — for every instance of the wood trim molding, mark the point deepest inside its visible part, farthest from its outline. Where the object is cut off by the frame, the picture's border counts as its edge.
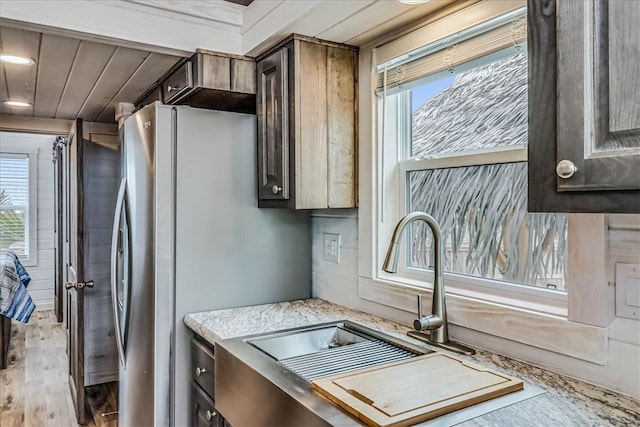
(547, 332)
(587, 271)
(96, 128)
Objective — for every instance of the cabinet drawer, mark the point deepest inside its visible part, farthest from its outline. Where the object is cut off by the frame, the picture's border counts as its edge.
(153, 96)
(202, 365)
(203, 411)
(178, 83)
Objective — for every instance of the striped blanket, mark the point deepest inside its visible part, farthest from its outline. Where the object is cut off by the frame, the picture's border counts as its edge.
(15, 302)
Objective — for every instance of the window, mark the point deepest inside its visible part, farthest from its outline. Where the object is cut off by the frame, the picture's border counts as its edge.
(480, 203)
(461, 172)
(453, 116)
(17, 204)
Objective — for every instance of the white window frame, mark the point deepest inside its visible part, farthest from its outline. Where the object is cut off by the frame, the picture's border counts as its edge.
(578, 323)
(545, 300)
(31, 259)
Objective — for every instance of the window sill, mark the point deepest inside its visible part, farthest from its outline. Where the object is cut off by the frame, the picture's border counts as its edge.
(28, 262)
(525, 297)
(523, 325)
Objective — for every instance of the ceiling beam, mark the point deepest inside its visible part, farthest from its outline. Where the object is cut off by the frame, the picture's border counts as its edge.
(121, 22)
(26, 124)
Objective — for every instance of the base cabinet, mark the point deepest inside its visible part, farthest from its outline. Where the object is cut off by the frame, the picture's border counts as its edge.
(203, 408)
(203, 411)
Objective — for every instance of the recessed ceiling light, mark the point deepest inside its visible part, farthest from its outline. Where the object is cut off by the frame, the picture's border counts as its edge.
(414, 1)
(18, 60)
(19, 104)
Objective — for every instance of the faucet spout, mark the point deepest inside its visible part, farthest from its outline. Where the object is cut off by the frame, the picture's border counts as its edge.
(436, 323)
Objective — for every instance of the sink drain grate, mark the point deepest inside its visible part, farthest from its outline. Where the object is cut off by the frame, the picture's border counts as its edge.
(347, 358)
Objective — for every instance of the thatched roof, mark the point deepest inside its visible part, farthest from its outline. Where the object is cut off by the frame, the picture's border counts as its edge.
(484, 208)
(484, 107)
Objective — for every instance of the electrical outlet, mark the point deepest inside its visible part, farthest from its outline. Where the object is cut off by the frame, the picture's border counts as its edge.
(332, 247)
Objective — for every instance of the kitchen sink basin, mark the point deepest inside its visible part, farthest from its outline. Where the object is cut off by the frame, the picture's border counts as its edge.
(320, 351)
(298, 343)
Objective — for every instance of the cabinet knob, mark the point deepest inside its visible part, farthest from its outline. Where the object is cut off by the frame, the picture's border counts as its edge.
(210, 414)
(174, 88)
(69, 285)
(200, 371)
(566, 169)
(276, 189)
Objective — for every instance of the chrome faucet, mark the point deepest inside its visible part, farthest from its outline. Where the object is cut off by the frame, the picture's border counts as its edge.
(436, 322)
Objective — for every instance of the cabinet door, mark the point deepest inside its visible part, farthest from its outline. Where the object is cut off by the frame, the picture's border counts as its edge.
(273, 126)
(584, 117)
(203, 413)
(599, 94)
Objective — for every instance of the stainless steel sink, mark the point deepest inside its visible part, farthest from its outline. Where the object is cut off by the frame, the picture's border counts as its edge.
(297, 343)
(271, 373)
(265, 380)
(320, 351)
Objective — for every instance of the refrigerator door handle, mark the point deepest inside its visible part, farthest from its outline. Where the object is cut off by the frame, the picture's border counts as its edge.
(115, 241)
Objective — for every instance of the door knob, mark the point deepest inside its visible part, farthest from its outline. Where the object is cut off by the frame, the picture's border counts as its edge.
(210, 414)
(79, 285)
(565, 169)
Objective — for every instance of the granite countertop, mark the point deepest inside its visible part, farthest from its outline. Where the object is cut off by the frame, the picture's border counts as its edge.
(567, 402)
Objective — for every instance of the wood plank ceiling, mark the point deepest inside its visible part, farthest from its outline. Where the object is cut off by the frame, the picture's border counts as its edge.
(74, 78)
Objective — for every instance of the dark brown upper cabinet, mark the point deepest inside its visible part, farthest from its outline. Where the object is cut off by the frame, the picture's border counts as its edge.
(273, 133)
(584, 113)
(307, 125)
(211, 80)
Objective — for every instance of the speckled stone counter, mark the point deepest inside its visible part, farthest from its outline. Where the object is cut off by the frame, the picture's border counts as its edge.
(568, 402)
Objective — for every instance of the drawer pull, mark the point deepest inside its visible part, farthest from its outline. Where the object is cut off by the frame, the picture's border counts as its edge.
(175, 88)
(200, 371)
(210, 415)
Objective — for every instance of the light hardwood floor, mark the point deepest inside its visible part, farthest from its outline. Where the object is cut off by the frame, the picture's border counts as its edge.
(34, 389)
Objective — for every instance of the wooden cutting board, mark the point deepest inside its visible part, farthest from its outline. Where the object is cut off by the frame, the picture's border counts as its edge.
(407, 392)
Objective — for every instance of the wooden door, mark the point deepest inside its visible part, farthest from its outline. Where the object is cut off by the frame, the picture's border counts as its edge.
(89, 187)
(273, 126)
(75, 270)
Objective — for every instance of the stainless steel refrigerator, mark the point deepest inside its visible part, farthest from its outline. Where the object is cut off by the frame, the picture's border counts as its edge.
(188, 236)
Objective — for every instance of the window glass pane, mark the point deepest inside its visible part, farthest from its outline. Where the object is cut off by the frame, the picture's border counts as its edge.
(14, 203)
(484, 107)
(486, 229)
